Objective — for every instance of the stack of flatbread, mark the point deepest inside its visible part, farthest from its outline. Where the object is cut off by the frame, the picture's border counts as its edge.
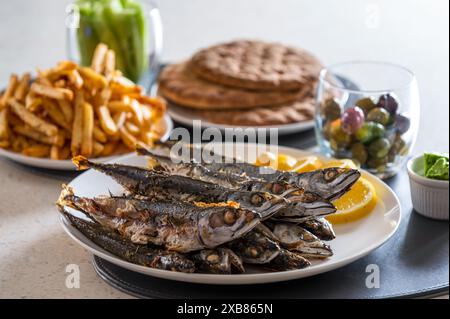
(245, 83)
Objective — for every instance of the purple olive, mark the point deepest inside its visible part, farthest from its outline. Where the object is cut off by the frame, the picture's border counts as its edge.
(352, 119)
(402, 124)
(389, 103)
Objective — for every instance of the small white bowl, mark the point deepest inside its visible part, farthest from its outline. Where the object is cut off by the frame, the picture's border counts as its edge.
(429, 196)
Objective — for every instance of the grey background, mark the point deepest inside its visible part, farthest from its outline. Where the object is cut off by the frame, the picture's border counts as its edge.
(34, 250)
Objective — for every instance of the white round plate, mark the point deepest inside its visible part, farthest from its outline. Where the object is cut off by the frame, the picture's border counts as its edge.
(353, 240)
(67, 165)
(186, 117)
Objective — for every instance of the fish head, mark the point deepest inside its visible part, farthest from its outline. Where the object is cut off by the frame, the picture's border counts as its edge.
(333, 182)
(265, 204)
(218, 261)
(256, 248)
(306, 203)
(218, 225)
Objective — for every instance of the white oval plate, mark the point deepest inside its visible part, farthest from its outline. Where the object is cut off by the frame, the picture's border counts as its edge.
(185, 117)
(67, 165)
(353, 240)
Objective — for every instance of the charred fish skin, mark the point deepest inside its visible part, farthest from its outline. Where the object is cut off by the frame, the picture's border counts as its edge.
(329, 183)
(137, 254)
(177, 226)
(149, 183)
(320, 227)
(287, 260)
(296, 238)
(218, 261)
(255, 248)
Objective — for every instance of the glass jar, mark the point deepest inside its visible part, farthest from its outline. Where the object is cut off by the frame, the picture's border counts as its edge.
(369, 112)
(132, 28)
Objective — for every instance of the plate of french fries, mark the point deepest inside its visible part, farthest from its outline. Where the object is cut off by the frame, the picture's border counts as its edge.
(71, 110)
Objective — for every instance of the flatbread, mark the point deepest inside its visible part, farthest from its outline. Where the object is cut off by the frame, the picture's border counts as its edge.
(256, 65)
(180, 85)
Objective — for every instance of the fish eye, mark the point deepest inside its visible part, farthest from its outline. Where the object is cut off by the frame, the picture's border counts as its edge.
(330, 175)
(256, 199)
(252, 252)
(229, 217)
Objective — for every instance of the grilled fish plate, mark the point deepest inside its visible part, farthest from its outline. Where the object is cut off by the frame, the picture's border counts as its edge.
(353, 240)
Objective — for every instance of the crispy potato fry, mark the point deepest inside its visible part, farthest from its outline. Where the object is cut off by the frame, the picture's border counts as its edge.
(88, 128)
(109, 148)
(127, 139)
(4, 125)
(132, 128)
(54, 152)
(98, 59)
(38, 150)
(119, 119)
(55, 114)
(106, 122)
(77, 125)
(9, 92)
(137, 113)
(97, 149)
(92, 79)
(31, 119)
(119, 106)
(67, 110)
(70, 110)
(99, 135)
(110, 63)
(75, 78)
(27, 131)
(22, 87)
(54, 93)
(32, 102)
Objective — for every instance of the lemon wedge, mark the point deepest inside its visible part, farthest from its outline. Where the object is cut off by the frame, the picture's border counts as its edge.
(308, 164)
(357, 203)
(343, 163)
(266, 159)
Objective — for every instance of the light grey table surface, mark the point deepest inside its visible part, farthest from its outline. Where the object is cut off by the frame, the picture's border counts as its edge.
(34, 251)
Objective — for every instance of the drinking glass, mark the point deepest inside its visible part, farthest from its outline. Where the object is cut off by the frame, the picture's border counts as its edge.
(369, 112)
(133, 32)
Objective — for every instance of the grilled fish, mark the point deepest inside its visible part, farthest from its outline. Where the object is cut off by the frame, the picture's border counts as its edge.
(177, 226)
(138, 254)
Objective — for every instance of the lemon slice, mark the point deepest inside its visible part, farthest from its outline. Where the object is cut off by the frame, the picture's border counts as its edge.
(357, 203)
(308, 164)
(343, 163)
(266, 159)
(285, 162)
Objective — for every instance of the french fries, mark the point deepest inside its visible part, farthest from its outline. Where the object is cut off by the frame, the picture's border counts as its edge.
(88, 128)
(71, 110)
(9, 92)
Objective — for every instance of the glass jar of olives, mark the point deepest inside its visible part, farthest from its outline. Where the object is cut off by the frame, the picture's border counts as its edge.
(369, 112)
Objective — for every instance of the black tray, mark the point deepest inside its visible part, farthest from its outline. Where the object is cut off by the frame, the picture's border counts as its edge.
(413, 263)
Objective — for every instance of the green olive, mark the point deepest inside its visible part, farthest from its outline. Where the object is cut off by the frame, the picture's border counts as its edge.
(377, 163)
(331, 109)
(379, 115)
(359, 153)
(337, 134)
(366, 104)
(379, 148)
(369, 132)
